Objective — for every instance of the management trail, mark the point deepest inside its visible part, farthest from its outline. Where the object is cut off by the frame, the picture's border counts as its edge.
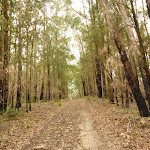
(78, 124)
(71, 128)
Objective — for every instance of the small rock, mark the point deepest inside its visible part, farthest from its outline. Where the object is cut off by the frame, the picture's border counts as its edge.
(40, 147)
(142, 123)
(123, 135)
(126, 145)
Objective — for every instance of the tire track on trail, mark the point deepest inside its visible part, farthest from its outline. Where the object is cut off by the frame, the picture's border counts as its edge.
(61, 131)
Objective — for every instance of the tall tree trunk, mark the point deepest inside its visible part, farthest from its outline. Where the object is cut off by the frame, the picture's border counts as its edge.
(147, 92)
(43, 77)
(15, 62)
(133, 47)
(122, 79)
(10, 43)
(35, 70)
(6, 55)
(97, 59)
(18, 102)
(127, 97)
(143, 64)
(27, 68)
(98, 76)
(116, 96)
(59, 84)
(84, 89)
(31, 71)
(110, 88)
(142, 50)
(35, 85)
(1, 70)
(133, 82)
(48, 73)
(104, 84)
(54, 81)
(122, 99)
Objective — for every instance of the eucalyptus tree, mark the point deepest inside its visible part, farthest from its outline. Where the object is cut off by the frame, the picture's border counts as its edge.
(133, 49)
(27, 24)
(59, 57)
(98, 63)
(93, 37)
(13, 35)
(35, 55)
(35, 39)
(1, 75)
(5, 76)
(44, 46)
(1, 61)
(133, 82)
(30, 17)
(57, 51)
(19, 92)
(144, 65)
(49, 46)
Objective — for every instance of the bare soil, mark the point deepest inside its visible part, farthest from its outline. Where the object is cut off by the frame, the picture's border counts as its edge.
(77, 124)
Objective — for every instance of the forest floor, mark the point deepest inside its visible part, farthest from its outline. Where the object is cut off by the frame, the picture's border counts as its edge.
(78, 124)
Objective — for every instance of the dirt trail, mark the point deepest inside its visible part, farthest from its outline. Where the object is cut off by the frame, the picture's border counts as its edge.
(89, 136)
(70, 129)
(80, 124)
(91, 140)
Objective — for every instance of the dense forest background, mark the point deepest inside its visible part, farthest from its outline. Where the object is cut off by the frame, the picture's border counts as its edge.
(36, 59)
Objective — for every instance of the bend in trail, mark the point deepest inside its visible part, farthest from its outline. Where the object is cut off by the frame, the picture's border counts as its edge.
(71, 128)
